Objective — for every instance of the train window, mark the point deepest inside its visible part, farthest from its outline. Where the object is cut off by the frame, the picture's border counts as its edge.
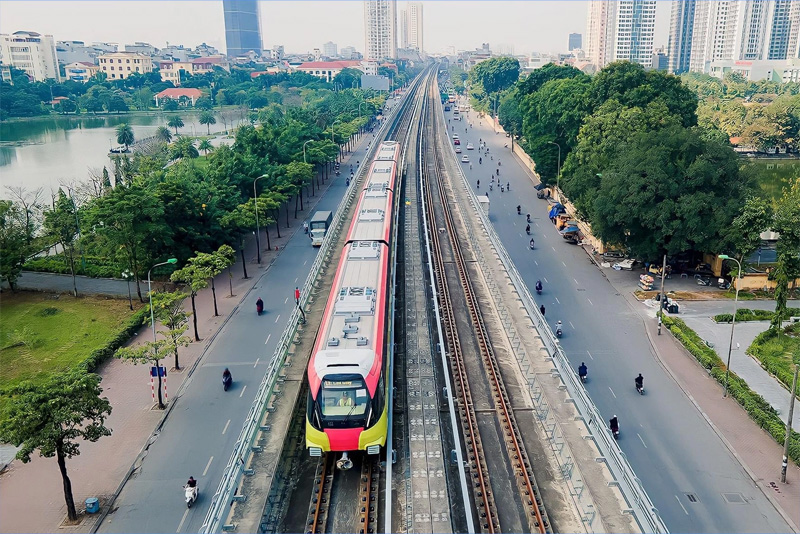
(378, 402)
(344, 397)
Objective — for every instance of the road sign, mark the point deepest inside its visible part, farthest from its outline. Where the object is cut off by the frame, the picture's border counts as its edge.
(161, 371)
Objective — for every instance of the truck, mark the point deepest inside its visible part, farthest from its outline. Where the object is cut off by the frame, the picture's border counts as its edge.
(483, 200)
(318, 227)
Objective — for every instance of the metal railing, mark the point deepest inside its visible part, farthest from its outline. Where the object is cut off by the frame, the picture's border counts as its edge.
(246, 442)
(641, 507)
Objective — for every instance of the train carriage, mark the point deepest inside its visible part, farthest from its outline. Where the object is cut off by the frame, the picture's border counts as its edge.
(347, 373)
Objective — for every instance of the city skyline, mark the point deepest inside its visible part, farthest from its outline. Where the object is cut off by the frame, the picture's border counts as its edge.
(539, 26)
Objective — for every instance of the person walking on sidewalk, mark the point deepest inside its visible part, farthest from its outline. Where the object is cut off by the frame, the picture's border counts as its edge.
(305, 227)
(297, 301)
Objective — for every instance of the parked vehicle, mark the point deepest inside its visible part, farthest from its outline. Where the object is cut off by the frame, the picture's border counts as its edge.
(318, 227)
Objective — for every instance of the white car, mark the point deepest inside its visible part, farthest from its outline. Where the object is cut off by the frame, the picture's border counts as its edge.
(455, 136)
(470, 147)
(624, 265)
(458, 150)
(465, 159)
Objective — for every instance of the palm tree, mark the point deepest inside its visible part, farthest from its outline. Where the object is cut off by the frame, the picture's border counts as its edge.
(175, 122)
(125, 135)
(164, 134)
(183, 148)
(208, 119)
(205, 146)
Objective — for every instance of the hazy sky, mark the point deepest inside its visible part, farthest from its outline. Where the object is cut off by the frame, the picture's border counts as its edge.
(300, 26)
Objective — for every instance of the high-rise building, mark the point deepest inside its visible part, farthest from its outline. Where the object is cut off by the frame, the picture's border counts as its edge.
(575, 41)
(242, 27)
(32, 52)
(620, 30)
(403, 28)
(330, 49)
(415, 40)
(380, 28)
(681, 26)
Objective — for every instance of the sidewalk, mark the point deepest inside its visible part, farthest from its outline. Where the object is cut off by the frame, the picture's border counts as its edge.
(31, 495)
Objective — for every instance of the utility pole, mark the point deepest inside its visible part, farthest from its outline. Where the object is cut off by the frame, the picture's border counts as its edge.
(661, 300)
(785, 464)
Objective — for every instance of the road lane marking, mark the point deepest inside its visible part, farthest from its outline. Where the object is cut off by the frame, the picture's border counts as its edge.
(576, 282)
(226, 427)
(558, 300)
(304, 263)
(564, 264)
(554, 248)
(590, 354)
(640, 439)
(612, 392)
(545, 280)
(286, 300)
(242, 393)
(208, 465)
(545, 236)
(295, 280)
(278, 317)
(537, 263)
(679, 502)
(590, 301)
(256, 364)
(180, 525)
(572, 325)
(267, 340)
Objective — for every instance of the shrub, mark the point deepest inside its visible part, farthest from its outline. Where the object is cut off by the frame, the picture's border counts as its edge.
(746, 314)
(96, 267)
(754, 404)
(98, 356)
(770, 349)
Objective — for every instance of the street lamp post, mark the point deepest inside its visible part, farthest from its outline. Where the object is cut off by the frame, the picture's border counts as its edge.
(128, 276)
(558, 176)
(733, 319)
(304, 161)
(793, 393)
(171, 261)
(255, 206)
(332, 139)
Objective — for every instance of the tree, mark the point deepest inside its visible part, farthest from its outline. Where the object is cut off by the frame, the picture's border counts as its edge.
(183, 148)
(164, 134)
(93, 105)
(175, 122)
(117, 103)
(495, 74)
(52, 416)
(194, 276)
(667, 192)
(206, 146)
(125, 135)
(300, 175)
(60, 223)
(213, 264)
(170, 105)
(208, 119)
(147, 353)
(142, 98)
(348, 78)
(787, 224)
(168, 307)
(745, 232)
(204, 103)
(239, 223)
(16, 233)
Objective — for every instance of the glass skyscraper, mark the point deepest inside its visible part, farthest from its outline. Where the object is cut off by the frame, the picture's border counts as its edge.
(242, 27)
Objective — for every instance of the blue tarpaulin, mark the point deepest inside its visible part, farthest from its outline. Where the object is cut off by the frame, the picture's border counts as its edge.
(555, 210)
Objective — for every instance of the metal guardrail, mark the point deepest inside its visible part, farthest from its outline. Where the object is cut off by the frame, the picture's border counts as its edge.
(642, 508)
(245, 443)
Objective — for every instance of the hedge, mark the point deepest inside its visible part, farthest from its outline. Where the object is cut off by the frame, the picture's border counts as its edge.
(98, 356)
(746, 314)
(96, 267)
(769, 348)
(754, 404)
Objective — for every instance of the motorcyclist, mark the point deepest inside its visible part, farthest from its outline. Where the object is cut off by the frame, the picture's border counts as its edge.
(226, 375)
(529, 217)
(259, 305)
(480, 161)
(639, 381)
(192, 483)
(519, 209)
(531, 244)
(613, 424)
(528, 229)
(541, 309)
(558, 326)
(479, 184)
(538, 285)
(583, 370)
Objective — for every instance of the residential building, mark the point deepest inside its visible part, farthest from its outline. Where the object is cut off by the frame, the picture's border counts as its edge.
(403, 28)
(32, 52)
(176, 53)
(171, 70)
(242, 27)
(80, 71)
(348, 52)
(660, 59)
(575, 41)
(782, 70)
(681, 26)
(120, 65)
(105, 47)
(380, 27)
(74, 52)
(620, 30)
(278, 52)
(329, 69)
(179, 94)
(317, 54)
(415, 26)
(329, 49)
(204, 50)
(146, 49)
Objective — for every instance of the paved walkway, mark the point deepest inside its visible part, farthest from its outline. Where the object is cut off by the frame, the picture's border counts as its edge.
(31, 495)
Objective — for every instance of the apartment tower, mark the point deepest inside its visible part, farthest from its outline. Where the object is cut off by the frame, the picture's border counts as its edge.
(380, 25)
(620, 30)
(415, 26)
(681, 26)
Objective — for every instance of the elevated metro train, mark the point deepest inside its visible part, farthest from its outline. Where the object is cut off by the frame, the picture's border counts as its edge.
(347, 373)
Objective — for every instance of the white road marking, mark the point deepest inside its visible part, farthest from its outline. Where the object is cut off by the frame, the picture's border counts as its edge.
(226, 427)
(558, 300)
(256, 364)
(612, 392)
(576, 282)
(545, 236)
(640, 439)
(286, 300)
(537, 264)
(180, 525)
(208, 465)
(679, 502)
(304, 263)
(590, 354)
(242, 393)
(267, 340)
(564, 264)
(572, 325)
(554, 248)
(295, 280)
(590, 301)
(545, 279)
(278, 317)
(537, 225)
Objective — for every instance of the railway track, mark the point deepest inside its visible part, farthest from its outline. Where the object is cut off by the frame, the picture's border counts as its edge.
(447, 251)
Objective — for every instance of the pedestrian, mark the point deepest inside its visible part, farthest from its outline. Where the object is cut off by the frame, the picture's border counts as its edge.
(470, 166)
(541, 309)
(305, 227)
(297, 295)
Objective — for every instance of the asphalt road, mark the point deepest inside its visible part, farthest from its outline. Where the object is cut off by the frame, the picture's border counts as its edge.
(200, 433)
(667, 441)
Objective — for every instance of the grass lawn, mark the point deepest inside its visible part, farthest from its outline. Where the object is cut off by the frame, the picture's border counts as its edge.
(775, 352)
(40, 335)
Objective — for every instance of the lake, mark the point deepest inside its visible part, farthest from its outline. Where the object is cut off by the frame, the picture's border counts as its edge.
(46, 152)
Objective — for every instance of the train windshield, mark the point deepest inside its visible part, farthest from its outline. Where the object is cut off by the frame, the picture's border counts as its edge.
(344, 398)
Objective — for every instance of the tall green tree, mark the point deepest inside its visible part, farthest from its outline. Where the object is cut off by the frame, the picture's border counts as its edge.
(149, 352)
(164, 134)
(183, 148)
(787, 224)
(239, 223)
(16, 233)
(168, 307)
(52, 417)
(60, 223)
(195, 277)
(175, 121)
(206, 146)
(208, 119)
(495, 74)
(125, 135)
(212, 264)
(118, 104)
(745, 231)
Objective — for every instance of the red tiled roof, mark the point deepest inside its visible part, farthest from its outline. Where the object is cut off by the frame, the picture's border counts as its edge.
(179, 92)
(329, 65)
(257, 74)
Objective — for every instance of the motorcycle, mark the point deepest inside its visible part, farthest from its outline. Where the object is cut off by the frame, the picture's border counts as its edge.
(259, 307)
(531, 244)
(227, 380)
(558, 332)
(702, 281)
(615, 431)
(528, 230)
(190, 495)
(585, 378)
(519, 210)
(529, 218)
(640, 389)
